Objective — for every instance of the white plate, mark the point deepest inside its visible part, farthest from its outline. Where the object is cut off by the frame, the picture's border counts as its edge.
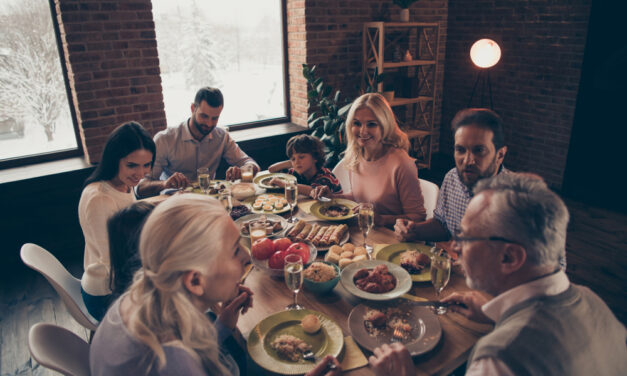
(403, 280)
(343, 241)
(249, 217)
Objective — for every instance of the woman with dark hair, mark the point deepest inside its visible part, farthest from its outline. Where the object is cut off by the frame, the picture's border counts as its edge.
(124, 228)
(128, 155)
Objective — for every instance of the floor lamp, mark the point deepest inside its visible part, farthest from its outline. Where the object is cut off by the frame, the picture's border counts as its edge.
(484, 53)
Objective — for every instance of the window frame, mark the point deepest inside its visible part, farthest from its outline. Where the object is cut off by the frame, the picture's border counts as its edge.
(53, 155)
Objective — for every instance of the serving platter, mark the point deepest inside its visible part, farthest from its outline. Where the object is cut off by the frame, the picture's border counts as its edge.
(392, 253)
(251, 200)
(424, 335)
(262, 180)
(195, 188)
(329, 340)
(403, 280)
(318, 209)
(343, 241)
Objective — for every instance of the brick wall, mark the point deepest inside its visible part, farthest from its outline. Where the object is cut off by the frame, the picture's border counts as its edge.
(534, 85)
(333, 30)
(113, 67)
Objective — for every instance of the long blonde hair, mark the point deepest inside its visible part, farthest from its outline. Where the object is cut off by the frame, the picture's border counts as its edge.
(392, 135)
(183, 233)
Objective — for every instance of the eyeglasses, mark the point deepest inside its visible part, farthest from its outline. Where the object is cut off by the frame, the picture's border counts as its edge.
(459, 239)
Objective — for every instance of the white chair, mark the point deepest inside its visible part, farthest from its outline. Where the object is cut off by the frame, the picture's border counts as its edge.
(59, 349)
(430, 195)
(68, 287)
(341, 173)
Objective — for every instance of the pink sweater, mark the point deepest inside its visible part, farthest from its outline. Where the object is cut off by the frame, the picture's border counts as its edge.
(391, 183)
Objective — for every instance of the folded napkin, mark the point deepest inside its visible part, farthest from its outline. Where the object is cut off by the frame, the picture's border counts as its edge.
(353, 356)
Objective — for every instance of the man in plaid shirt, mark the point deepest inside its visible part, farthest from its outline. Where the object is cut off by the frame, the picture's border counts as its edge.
(479, 153)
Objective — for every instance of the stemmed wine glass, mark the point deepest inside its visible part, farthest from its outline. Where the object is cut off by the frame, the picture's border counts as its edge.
(291, 196)
(293, 272)
(440, 274)
(366, 222)
(226, 199)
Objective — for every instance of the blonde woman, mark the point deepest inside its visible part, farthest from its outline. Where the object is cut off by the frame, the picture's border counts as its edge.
(192, 260)
(380, 170)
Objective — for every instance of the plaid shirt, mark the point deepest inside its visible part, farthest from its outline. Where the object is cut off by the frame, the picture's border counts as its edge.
(453, 199)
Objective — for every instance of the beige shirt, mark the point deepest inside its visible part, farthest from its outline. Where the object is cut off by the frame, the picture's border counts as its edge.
(99, 201)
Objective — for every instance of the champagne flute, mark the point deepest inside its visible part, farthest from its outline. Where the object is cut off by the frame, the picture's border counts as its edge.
(365, 218)
(291, 196)
(204, 179)
(293, 272)
(226, 199)
(440, 274)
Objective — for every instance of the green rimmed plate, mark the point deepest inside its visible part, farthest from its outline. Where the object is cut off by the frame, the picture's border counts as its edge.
(262, 180)
(392, 253)
(318, 209)
(195, 188)
(329, 340)
(251, 200)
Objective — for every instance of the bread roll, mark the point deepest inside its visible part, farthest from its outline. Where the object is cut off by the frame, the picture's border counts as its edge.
(346, 254)
(360, 258)
(336, 249)
(310, 323)
(332, 257)
(360, 251)
(348, 247)
(345, 261)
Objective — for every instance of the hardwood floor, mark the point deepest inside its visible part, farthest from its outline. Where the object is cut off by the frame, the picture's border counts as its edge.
(596, 253)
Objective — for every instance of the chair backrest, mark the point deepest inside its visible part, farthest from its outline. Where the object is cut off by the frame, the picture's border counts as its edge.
(68, 287)
(430, 195)
(59, 349)
(341, 173)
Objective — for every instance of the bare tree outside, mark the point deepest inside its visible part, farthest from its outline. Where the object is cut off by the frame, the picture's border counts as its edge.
(235, 46)
(33, 98)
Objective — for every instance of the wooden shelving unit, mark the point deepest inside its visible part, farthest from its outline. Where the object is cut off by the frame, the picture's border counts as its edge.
(385, 48)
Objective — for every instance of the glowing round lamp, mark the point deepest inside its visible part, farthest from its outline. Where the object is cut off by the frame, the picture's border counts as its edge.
(485, 53)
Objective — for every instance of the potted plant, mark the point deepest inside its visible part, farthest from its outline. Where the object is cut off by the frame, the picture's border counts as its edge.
(404, 5)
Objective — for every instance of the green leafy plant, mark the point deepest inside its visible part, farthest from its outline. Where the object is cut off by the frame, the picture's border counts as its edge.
(404, 4)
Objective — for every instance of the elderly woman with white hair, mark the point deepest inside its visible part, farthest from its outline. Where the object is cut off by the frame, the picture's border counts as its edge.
(380, 169)
(192, 260)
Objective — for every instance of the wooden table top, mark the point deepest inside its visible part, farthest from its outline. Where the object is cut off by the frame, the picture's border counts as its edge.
(458, 333)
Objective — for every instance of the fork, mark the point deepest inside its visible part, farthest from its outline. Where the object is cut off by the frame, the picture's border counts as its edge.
(310, 356)
(397, 336)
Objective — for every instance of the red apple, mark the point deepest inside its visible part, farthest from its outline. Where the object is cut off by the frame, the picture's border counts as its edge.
(301, 249)
(277, 260)
(262, 249)
(281, 244)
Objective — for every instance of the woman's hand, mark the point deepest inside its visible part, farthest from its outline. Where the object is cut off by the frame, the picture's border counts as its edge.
(393, 360)
(232, 308)
(403, 229)
(469, 305)
(322, 370)
(320, 191)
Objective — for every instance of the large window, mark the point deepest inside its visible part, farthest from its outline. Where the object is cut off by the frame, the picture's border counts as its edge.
(236, 46)
(35, 117)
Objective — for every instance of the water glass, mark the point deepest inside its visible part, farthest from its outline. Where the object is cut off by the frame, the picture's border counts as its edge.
(204, 179)
(247, 173)
(293, 273)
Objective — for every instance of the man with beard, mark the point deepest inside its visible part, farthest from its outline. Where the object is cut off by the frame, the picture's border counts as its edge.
(193, 144)
(479, 153)
(512, 236)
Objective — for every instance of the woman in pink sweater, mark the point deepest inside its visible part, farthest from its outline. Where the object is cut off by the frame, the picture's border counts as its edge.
(379, 168)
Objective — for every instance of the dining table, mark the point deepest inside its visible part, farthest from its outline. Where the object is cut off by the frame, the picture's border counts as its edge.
(271, 295)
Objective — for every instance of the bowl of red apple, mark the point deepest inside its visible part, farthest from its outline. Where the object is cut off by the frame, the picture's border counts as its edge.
(269, 254)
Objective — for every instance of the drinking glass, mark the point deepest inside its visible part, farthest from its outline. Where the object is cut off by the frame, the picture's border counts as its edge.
(440, 274)
(257, 230)
(293, 272)
(247, 173)
(365, 218)
(226, 199)
(291, 196)
(204, 179)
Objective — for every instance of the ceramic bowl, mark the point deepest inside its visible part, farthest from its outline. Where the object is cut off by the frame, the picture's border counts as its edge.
(323, 287)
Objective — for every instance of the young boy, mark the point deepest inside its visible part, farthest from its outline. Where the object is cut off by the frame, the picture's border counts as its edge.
(306, 154)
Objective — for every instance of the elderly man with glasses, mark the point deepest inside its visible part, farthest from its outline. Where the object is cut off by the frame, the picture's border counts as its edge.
(512, 235)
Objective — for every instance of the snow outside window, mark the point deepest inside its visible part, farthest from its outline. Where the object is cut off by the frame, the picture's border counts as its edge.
(34, 108)
(236, 46)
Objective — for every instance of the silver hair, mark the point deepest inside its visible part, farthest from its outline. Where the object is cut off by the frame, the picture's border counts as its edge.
(525, 210)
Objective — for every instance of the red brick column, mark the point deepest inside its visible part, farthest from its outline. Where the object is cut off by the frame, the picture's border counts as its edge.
(297, 56)
(113, 67)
